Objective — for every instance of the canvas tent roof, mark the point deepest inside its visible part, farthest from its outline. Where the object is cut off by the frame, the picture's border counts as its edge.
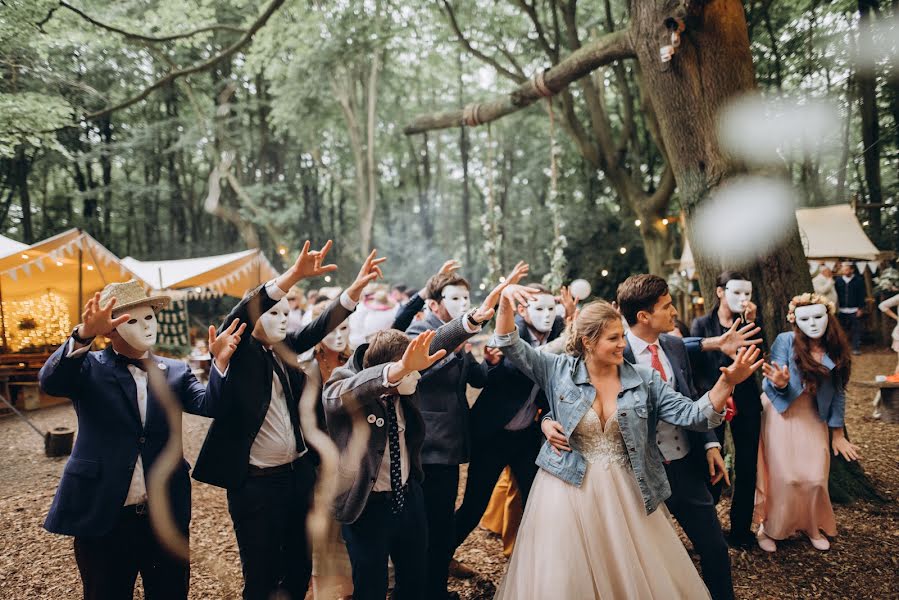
(828, 233)
(8, 246)
(53, 264)
(231, 274)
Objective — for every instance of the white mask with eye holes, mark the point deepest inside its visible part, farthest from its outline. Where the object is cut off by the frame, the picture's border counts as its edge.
(337, 340)
(737, 293)
(542, 312)
(408, 384)
(274, 322)
(456, 299)
(812, 320)
(141, 329)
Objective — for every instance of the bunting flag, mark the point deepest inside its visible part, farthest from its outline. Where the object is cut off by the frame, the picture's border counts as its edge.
(830, 264)
(860, 266)
(873, 265)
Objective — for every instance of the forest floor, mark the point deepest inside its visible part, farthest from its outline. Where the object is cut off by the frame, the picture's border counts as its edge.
(863, 562)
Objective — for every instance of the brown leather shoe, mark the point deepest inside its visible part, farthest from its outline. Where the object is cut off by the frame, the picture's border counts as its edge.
(461, 571)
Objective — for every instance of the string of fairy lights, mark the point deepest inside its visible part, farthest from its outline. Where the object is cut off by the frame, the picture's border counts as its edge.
(661, 223)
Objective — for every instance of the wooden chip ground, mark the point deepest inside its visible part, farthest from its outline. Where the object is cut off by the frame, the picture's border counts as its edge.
(863, 563)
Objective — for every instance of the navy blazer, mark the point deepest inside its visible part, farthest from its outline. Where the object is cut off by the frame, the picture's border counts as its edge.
(443, 400)
(507, 388)
(676, 352)
(242, 399)
(97, 475)
(852, 294)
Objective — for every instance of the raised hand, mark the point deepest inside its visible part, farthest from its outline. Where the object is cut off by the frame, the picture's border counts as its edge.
(223, 346)
(519, 294)
(450, 266)
(417, 357)
(750, 311)
(97, 320)
(487, 308)
(745, 364)
(738, 337)
(568, 302)
(777, 375)
(555, 435)
(370, 271)
(492, 355)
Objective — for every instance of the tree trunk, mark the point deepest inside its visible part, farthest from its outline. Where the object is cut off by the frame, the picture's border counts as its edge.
(712, 66)
(867, 90)
(21, 167)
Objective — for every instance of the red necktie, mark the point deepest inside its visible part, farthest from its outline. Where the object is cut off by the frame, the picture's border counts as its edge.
(656, 362)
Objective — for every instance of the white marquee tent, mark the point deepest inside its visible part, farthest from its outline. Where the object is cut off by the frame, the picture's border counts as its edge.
(230, 274)
(9, 246)
(828, 233)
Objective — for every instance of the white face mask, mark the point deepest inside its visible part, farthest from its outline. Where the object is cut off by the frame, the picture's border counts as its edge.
(274, 322)
(141, 329)
(542, 312)
(737, 293)
(812, 320)
(337, 339)
(456, 300)
(408, 384)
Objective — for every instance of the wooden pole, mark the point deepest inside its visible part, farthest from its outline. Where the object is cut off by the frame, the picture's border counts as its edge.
(80, 278)
(3, 318)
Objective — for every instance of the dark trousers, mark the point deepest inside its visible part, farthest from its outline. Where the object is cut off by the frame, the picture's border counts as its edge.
(518, 450)
(377, 534)
(440, 488)
(109, 563)
(269, 515)
(852, 325)
(745, 428)
(691, 504)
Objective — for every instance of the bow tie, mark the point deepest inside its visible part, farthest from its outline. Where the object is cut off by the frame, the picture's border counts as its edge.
(123, 360)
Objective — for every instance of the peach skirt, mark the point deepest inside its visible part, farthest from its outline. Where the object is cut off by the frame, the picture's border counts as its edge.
(794, 463)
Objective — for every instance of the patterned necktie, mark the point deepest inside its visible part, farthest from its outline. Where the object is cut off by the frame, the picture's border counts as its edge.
(396, 473)
(656, 362)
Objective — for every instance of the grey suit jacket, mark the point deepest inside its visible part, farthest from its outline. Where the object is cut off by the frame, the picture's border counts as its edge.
(352, 396)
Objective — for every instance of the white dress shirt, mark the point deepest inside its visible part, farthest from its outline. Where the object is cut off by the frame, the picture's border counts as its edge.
(137, 489)
(275, 443)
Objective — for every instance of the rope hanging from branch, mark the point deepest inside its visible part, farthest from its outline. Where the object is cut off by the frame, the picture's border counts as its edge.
(490, 223)
(558, 263)
(542, 88)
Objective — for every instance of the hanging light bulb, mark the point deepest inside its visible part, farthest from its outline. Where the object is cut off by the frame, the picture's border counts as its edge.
(327, 279)
(638, 222)
(605, 272)
(665, 221)
(623, 250)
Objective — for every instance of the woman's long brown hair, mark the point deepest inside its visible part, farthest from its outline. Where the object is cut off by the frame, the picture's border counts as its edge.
(836, 347)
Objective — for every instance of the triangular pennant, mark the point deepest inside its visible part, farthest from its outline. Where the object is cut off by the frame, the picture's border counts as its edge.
(12, 274)
(26, 268)
(860, 266)
(873, 265)
(812, 266)
(39, 263)
(830, 263)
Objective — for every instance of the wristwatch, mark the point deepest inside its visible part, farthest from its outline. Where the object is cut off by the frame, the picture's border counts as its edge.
(79, 339)
(474, 322)
(700, 344)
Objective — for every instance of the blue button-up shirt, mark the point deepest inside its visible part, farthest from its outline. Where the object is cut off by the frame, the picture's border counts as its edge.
(644, 400)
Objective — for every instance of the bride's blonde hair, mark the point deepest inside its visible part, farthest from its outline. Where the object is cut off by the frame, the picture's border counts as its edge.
(590, 323)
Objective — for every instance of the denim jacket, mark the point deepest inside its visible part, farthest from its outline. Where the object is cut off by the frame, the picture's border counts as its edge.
(831, 397)
(643, 400)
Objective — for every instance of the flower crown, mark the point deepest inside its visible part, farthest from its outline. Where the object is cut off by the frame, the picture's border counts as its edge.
(808, 299)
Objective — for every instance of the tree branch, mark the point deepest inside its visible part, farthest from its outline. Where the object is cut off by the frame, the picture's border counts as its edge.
(450, 13)
(599, 52)
(140, 37)
(173, 75)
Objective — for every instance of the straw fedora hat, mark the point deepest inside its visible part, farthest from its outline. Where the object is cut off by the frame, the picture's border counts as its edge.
(131, 294)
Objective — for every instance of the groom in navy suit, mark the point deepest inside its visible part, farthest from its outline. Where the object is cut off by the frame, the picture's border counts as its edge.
(645, 302)
(122, 428)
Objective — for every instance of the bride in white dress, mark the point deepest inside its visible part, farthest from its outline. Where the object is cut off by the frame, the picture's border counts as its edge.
(595, 525)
